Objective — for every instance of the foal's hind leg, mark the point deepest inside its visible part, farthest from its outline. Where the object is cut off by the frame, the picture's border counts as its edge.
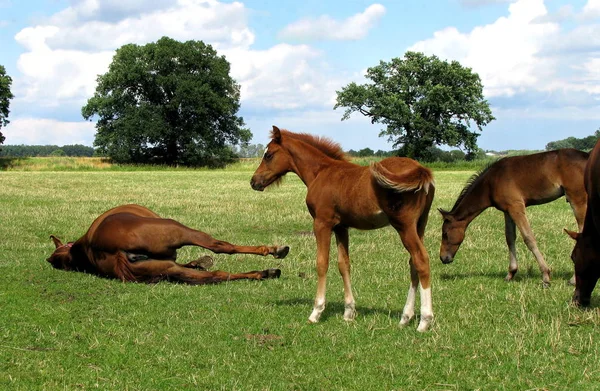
(517, 214)
(341, 238)
(511, 236)
(420, 262)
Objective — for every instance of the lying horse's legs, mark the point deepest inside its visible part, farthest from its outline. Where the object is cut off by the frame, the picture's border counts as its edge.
(518, 216)
(341, 238)
(323, 235)
(165, 235)
(153, 271)
(511, 236)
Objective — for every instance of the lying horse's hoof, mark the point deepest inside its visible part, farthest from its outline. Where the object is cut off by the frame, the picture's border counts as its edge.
(205, 262)
(271, 273)
(281, 252)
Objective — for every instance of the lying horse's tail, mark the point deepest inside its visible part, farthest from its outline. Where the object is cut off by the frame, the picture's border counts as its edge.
(413, 178)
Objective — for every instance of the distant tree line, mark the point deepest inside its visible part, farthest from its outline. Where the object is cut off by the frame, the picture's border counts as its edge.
(46, 150)
(584, 144)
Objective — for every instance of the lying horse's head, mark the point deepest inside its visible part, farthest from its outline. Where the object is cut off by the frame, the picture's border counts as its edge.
(61, 257)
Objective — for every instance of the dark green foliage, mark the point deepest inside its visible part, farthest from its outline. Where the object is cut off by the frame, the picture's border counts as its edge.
(46, 150)
(5, 97)
(422, 101)
(167, 102)
(584, 144)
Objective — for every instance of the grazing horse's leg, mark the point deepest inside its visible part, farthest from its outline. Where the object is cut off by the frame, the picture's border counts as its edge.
(153, 271)
(420, 261)
(517, 214)
(578, 203)
(323, 235)
(341, 238)
(511, 236)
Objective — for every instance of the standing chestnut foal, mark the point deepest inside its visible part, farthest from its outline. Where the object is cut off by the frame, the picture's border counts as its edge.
(132, 243)
(341, 195)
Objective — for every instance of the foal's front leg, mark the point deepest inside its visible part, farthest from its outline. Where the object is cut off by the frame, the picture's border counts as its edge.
(323, 235)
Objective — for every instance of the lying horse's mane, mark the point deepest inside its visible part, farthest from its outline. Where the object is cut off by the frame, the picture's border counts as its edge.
(472, 182)
(323, 144)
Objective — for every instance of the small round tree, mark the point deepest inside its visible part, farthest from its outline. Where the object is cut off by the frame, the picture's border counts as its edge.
(167, 102)
(422, 101)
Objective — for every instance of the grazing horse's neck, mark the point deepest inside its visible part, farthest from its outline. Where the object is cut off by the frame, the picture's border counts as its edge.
(472, 202)
(308, 161)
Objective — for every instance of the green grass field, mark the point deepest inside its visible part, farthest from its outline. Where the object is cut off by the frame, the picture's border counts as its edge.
(70, 331)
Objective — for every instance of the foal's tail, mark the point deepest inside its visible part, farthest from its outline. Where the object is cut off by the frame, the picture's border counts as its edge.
(415, 178)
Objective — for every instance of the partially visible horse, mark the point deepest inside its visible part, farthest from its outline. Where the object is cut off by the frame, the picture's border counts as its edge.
(586, 253)
(132, 243)
(343, 195)
(510, 185)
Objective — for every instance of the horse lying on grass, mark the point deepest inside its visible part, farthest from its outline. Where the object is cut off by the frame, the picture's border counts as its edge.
(132, 243)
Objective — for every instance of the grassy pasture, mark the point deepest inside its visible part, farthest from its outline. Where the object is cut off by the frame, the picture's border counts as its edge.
(70, 331)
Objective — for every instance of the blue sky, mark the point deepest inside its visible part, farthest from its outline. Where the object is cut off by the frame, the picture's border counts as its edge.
(539, 60)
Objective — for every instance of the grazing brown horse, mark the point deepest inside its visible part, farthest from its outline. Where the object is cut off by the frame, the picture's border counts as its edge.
(132, 243)
(510, 185)
(341, 195)
(586, 253)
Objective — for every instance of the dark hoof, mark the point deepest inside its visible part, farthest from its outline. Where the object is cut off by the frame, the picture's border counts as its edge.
(136, 257)
(271, 273)
(281, 252)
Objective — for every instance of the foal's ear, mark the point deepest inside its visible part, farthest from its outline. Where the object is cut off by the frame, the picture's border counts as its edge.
(56, 241)
(573, 235)
(276, 134)
(445, 214)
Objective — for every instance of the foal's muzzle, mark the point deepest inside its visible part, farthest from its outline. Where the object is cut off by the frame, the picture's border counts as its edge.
(256, 185)
(446, 259)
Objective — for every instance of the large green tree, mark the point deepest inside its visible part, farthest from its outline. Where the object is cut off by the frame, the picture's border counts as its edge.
(5, 97)
(422, 101)
(167, 102)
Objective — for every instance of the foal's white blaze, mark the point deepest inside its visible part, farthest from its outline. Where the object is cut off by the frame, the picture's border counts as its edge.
(426, 309)
(265, 152)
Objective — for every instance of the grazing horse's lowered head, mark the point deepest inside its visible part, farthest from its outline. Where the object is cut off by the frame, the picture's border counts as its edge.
(453, 234)
(586, 259)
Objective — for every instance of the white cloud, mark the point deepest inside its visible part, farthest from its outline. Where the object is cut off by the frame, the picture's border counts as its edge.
(64, 56)
(327, 28)
(504, 53)
(38, 131)
(591, 10)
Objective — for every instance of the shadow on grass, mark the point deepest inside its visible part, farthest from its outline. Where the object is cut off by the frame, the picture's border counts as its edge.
(529, 273)
(8, 162)
(335, 308)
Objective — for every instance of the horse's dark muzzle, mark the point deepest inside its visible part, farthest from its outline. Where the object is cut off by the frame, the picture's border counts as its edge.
(446, 259)
(256, 186)
(579, 300)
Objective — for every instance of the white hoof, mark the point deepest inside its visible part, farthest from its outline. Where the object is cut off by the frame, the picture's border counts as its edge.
(424, 324)
(405, 319)
(349, 313)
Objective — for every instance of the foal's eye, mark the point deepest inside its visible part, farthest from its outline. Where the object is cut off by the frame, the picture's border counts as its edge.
(268, 156)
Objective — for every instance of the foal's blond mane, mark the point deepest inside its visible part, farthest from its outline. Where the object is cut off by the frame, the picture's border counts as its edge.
(323, 144)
